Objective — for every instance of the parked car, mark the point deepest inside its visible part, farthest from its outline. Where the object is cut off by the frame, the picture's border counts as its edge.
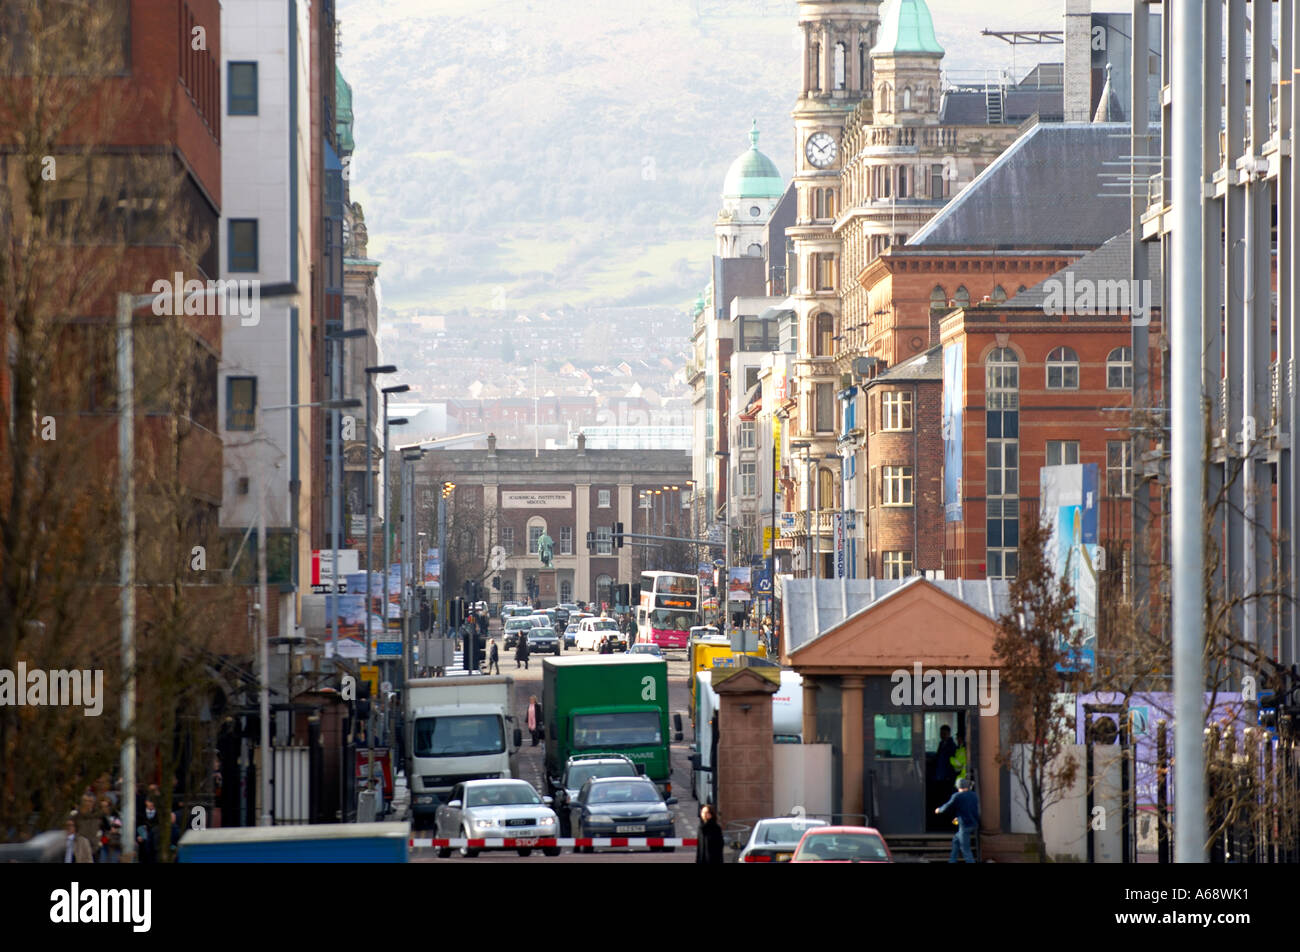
(591, 630)
(842, 844)
(650, 649)
(775, 840)
(543, 641)
(496, 809)
(578, 770)
(621, 806)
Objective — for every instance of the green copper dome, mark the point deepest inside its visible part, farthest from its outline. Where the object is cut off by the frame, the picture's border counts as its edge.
(753, 175)
(907, 28)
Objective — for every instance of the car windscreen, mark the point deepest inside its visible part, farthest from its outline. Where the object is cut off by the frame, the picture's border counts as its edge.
(541, 633)
(843, 846)
(604, 624)
(499, 794)
(581, 773)
(790, 832)
(462, 735)
(640, 791)
(622, 729)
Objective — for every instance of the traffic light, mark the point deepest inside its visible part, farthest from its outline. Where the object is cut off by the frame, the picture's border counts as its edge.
(591, 542)
(618, 534)
(447, 488)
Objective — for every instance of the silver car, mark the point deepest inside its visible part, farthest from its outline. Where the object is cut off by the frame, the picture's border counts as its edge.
(496, 809)
(775, 840)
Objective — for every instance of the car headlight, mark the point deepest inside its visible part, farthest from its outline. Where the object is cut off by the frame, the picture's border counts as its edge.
(597, 819)
(483, 825)
(546, 821)
(424, 799)
(660, 816)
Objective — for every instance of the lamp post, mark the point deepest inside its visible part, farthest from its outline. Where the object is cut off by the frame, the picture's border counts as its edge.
(388, 502)
(336, 471)
(409, 458)
(263, 652)
(370, 503)
(726, 538)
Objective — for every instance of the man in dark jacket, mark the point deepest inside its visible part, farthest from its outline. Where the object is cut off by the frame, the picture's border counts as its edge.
(494, 658)
(966, 804)
(521, 650)
(708, 846)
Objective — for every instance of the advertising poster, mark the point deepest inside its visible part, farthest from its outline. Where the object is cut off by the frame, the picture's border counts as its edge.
(739, 585)
(432, 568)
(1070, 502)
(953, 372)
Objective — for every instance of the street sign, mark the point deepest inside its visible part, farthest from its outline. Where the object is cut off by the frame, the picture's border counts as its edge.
(370, 672)
(787, 520)
(716, 534)
(388, 649)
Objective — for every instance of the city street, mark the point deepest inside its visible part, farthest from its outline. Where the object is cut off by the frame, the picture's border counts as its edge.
(529, 682)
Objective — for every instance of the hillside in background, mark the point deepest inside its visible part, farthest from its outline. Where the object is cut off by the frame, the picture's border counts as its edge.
(515, 154)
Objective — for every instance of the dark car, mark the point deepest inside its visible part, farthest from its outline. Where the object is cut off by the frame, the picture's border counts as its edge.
(581, 768)
(544, 641)
(621, 806)
(561, 618)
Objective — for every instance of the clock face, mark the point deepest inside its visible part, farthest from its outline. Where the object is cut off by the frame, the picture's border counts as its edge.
(755, 211)
(821, 150)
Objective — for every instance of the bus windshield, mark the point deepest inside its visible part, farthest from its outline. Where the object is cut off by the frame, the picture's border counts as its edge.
(670, 620)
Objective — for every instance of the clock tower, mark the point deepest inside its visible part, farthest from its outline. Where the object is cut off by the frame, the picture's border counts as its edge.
(837, 37)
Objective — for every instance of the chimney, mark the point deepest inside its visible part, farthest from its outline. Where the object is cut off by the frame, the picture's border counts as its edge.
(582, 444)
(492, 443)
(1078, 60)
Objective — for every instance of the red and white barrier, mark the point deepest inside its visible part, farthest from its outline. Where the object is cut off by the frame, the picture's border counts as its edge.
(537, 842)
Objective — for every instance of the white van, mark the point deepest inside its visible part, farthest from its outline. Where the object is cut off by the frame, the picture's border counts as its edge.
(591, 630)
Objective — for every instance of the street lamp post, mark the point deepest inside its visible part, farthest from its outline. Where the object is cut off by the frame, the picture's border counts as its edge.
(388, 502)
(408, 533)
(336, 473)
(726, 538)
(370, 503)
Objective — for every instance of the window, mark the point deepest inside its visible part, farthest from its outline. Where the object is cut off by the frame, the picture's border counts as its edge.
(754, 251)
(686, 498)
(841, 68)
(1003, 467)
(508, 590)
(1063, 369)
(962, 297)
(241, 403)
(1001, 563)
(1119, 468)
(896, 485)
(893, 736)
(1062, 452)
(936, 181)
(884, 97)
(747, 434)
(823, 203)
(602, 498)
(604, 541)
(898, 564)
(999, 294)
(825, 489)
(756, 334)
(241, 89)
(825, 408)
(938, 297)
(242, 253)
(566, 590)
(647, 499)
(508, 539)
(749, 479)
(896, 410)
(824, 335)
(535, 530)
(566, 544)
(823, 266)
(751, 378)
(604, 590)
(1002, 380)
(1119, 369)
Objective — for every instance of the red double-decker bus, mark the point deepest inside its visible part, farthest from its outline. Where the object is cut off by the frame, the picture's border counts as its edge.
(669, 608)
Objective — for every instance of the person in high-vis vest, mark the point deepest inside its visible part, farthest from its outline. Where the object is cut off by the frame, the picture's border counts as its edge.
(958, 759)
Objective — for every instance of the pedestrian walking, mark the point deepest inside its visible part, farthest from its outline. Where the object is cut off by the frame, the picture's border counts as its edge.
(708, 845)
(966, 804)
(521, 650)
(534, 718)
(493, 658)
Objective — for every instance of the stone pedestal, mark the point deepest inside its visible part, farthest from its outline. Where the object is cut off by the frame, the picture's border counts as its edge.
(744, 753)
(547, 589)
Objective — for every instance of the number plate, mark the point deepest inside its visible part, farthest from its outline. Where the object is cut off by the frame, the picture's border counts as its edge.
(526, 841)
(629, 829)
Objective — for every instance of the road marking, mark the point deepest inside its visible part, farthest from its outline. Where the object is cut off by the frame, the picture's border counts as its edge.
(533, 842)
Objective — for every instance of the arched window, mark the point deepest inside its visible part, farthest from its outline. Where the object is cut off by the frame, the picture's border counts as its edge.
(536, 529)
(1063, 369)
(932, 102)
(841, 65)
(823, 334)
(1119, 369)
(907, 98)
(864, 67)
(962, 297)
(604, 591)
(999, 294)
(1002, 379)
(754, 251)
(938, 297)
(566, 590)
(884, 97)
(825, 489)
(815, 65)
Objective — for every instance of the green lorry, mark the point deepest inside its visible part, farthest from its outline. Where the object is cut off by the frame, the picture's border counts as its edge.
(608, 704)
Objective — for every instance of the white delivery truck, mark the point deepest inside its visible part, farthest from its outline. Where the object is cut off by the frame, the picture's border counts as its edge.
(457, 729)
(787, 727)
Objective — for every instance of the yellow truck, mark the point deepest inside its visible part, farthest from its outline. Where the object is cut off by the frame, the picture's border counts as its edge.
(708, 648)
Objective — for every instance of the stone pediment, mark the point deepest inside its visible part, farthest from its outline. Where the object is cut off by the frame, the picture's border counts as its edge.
(746, 680)
(917, 623)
